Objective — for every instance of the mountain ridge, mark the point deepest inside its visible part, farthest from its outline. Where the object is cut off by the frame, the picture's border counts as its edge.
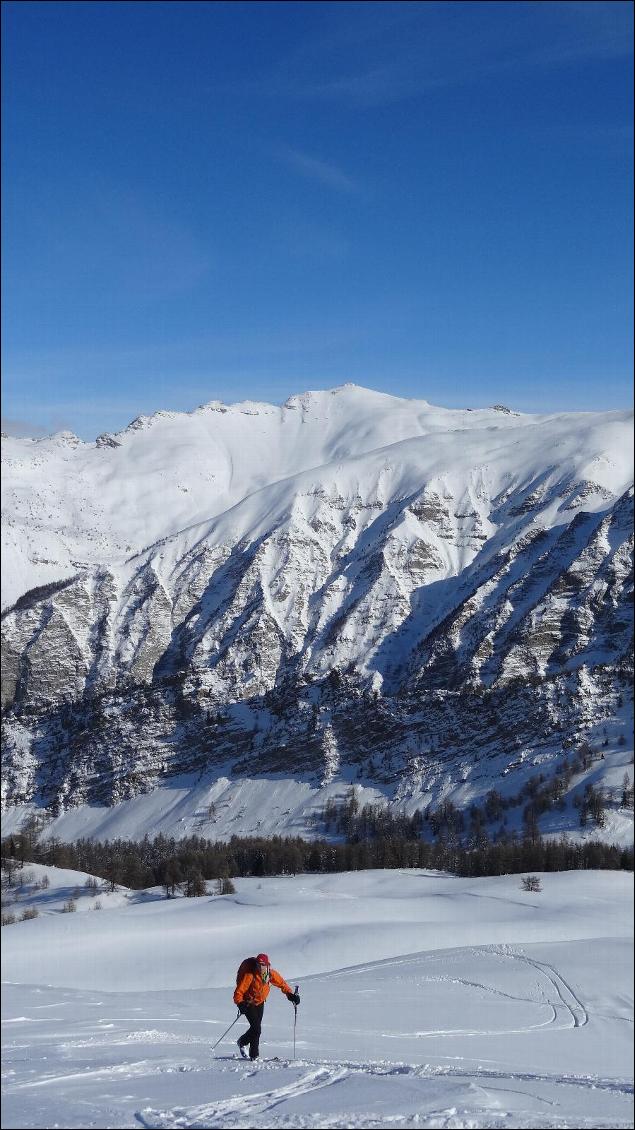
(309, 622)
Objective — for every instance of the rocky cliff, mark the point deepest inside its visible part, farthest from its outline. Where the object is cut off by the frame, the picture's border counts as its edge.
(350, 585)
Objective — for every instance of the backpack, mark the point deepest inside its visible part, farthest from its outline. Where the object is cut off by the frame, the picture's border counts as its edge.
(249, 965)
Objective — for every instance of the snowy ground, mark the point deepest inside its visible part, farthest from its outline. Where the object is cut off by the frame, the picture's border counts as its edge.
(427, 1001)
(292, 806)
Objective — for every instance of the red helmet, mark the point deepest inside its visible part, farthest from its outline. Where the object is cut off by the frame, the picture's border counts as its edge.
(262, 959)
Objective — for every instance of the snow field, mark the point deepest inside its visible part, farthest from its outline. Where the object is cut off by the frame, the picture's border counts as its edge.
(426, 1001)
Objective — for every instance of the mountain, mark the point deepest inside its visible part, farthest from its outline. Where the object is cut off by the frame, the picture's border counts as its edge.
(350, 587)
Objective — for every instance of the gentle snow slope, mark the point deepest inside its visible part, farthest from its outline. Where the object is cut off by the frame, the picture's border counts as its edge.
(427, 1001)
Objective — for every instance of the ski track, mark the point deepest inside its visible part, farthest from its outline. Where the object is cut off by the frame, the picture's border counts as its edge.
(245, 1106)
(324, 1074)
(575, 1010)
(128, 1070)
(181, 1084)
(246, 1109)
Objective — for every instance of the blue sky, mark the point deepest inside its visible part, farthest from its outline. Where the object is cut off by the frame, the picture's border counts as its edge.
(247, 200)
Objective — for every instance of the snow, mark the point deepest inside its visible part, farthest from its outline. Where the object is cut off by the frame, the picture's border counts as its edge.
(252, 546)
(270, 804)
(426, 1001)
(69, 505)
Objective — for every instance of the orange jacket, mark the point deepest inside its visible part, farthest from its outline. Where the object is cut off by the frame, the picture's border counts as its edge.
(253, 990)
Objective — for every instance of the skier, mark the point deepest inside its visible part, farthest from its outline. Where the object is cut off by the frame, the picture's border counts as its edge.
(253, 982)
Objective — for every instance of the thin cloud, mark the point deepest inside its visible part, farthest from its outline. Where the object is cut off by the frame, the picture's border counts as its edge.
(27, 429)
(434, 46)
(317, 170)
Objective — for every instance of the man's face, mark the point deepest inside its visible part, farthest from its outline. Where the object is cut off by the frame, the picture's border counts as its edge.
(262, 966)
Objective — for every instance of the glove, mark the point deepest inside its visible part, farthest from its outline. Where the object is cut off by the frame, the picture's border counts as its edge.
(242, 1008)
(293, 997)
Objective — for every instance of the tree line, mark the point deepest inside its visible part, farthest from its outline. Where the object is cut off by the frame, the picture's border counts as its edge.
(474, 825)
(474, 841)
(184, 866)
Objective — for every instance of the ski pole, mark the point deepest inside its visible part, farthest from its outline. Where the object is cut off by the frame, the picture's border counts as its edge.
(228, 1030)
(295, 1019)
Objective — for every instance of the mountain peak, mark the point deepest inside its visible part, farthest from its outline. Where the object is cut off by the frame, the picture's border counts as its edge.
(66, 438)
(355, 586)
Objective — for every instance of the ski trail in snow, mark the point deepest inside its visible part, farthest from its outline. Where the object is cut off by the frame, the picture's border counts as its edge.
(427, 1070)
(573, 1005)
(129, 1070)
(575, 1011)
(246, 1106)
(244, 1110)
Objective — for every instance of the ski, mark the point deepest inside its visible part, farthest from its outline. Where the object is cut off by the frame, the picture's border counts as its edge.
(261, 1059)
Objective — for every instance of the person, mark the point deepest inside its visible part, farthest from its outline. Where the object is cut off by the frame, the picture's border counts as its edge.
(252, 989)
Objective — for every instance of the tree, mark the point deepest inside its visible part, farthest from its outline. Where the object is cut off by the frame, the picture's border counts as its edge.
(193, 885)
(30, 831)
(134, 874)
(171, 875)
(531, 883)
(9, 869)
(596, 805)
(113, 873)
(57, 854)
(493, 805)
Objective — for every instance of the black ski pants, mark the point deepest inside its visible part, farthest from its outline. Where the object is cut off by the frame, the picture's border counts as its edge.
(253, 1014)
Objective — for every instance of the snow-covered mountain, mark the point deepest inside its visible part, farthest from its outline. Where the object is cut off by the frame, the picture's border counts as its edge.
(348, 587)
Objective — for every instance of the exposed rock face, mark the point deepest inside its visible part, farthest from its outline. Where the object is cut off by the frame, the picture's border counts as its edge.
(408, 609)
